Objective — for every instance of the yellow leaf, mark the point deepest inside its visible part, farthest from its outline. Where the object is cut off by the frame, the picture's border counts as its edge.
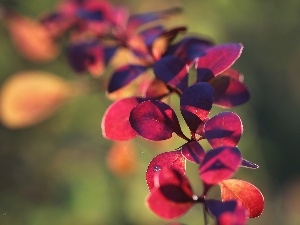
(29, 97)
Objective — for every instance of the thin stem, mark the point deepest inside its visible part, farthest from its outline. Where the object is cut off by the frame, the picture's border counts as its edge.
(205, 215)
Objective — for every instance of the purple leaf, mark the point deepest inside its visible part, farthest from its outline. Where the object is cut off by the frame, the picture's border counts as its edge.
(229, 90)
(227, 212)
(249, 165)
(124, 75)
(173, 71)
(149, 35)
(219, 164)
(217, 59)
(193, 152)
(115, 122)
(173, 159)
(195, 104)
(190, 48)
(155, 120)
(224, 129)
(173, 196)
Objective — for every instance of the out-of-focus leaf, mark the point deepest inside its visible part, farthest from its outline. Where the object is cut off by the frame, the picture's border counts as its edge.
(193, 152)
(250, 196)
(173, 159)
(195, 104)
(155, 120)
(173, 71)
(31, 39)
(219, 164)
(124, 75)
(115, 122)
(229, 212)
(229, 89)
(121, 158)
(29, 97)
(217, 59)
(173, 195)
(156, 89)
(224, 129)
(248, 164)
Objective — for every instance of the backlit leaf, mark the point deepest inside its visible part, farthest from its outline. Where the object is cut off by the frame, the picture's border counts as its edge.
(219, 164)
(31, 39)
(29, 97)
(195, 104)
(228, 212)
(173, 71)
(229, 89)
(224, 129)
(154, 120)
(250, 196)
(193, 152)
(173, 197)
(115, 122)
(173, 159)
(124, 75)
(217, 59)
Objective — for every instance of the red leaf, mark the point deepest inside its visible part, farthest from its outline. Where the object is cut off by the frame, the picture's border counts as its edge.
(115, 122)
(155, 120)
(229, 89)
(173, 159)
(250, 196)
(173, 195)
(219, 164)
(224, 129)
(216, 60)
(195, 104)
(193, 152)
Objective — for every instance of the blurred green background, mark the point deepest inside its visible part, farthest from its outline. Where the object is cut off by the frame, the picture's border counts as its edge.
(56, 172)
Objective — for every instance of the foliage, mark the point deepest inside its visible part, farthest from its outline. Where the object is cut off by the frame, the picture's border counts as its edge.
(157, 62)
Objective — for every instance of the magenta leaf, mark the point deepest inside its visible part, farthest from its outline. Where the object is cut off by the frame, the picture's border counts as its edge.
(229, 91)
(172, 159)
(172, 197)
(219, 164)
(224, 129)
(217, 59)
(155, 120)
(124, 75)
(227, 212)
(173, 71)
(195, 104)
(115, 122)
(193, 152)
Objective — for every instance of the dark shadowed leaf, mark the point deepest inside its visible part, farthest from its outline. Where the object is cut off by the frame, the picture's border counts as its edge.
(193, 152)
(248, 164)
(173, 71)
(155, 120)
(173, 195)
(229, 212)
(124, 75)
(250, 196)
(149, 35)
(216, 60)
(224, 129)
(172, 159)
(229, 90)
(115, 122)
(195, 104)
(219, 164)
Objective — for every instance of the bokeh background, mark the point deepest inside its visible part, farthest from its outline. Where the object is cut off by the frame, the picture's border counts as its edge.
(57, 172)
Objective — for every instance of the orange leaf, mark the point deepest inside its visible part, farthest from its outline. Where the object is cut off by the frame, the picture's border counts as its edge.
(250, 196)
(30, 97)
(31, 39)
(121, 158)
